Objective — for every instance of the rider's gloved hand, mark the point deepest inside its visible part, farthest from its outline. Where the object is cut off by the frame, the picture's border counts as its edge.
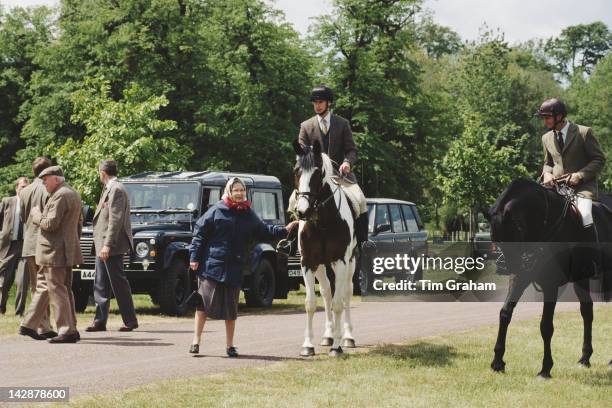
(575, 179)
(548, 179)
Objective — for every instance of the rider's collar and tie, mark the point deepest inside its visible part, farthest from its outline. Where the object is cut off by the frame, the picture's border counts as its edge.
(324, 122)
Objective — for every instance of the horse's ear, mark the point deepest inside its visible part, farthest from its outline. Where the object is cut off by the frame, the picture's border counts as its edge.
(317, 148)
(299, 150)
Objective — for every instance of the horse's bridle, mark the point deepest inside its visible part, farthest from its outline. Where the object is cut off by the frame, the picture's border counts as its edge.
(317, 202)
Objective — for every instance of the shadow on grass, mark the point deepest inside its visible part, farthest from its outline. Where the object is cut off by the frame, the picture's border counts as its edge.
(597, 378)
(420, 354)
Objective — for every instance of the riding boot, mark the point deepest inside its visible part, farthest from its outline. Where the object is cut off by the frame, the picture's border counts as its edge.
(589, 254)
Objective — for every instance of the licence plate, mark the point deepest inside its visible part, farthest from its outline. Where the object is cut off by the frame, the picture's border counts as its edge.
(88, 274)
(294, 273)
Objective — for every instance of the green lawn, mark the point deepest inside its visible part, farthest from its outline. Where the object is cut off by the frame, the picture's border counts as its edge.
(451, 370)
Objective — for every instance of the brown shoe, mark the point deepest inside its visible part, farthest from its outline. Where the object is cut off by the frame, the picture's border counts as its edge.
(128, 327)
(96, 327)
(65, 338)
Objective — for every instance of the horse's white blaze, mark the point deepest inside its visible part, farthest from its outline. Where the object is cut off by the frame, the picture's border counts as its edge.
(302, 201)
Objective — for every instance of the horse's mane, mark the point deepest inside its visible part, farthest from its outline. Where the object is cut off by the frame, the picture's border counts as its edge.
(518, 185)
(307, 162)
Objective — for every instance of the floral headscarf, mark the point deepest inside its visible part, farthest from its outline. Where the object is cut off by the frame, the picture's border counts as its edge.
(227, 195)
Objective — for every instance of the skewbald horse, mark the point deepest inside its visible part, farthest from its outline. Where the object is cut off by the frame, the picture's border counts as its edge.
(326, 238)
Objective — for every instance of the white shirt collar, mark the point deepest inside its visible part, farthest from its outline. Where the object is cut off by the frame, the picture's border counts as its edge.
(327, 119)
(565, 130)
(111, 181)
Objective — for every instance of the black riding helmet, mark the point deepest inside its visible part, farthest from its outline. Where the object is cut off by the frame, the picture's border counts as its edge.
(552, 107)
(322, 93)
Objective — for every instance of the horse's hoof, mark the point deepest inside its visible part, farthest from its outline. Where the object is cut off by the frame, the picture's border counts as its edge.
(335, 352)
(307, 352)
(498, 366)
(348, 343)
(327, 341)
(544, 376)
(584, 363)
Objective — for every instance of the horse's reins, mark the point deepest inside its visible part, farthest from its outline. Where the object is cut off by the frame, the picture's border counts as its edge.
(569, 196)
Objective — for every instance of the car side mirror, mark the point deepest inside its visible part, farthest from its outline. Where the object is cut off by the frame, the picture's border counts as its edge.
(382, 228)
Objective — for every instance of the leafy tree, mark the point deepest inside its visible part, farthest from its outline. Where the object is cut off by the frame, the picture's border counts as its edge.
(475, 170)
(437, 40)
(366, 48)
(127, 131)
(589, 105)
(23, 33)
(579, 48)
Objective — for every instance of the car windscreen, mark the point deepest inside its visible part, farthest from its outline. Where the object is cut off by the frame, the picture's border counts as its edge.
(148, 198)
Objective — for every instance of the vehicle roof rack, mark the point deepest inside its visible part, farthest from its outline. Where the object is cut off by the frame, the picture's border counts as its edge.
(169, 174)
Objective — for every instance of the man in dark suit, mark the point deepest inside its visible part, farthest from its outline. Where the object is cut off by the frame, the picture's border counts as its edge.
(34, 195)
(11, 242)
(57, 251)
(336, 138)
(112, 240)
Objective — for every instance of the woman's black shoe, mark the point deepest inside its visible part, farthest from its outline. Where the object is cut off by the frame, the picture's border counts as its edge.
(194, 349)
(231, 352)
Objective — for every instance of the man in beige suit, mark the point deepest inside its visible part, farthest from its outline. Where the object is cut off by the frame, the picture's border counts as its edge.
(11, 242)
(112, 240)
(571, 149)
(57, 251)
(34, 195)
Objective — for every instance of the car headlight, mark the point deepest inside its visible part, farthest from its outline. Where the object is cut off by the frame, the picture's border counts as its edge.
(142, 249)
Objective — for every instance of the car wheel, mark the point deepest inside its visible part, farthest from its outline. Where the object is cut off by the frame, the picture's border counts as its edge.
(263, 284)
(81, 291)
(174, 287)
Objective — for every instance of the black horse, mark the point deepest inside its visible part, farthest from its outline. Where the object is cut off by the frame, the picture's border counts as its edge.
(544, 243)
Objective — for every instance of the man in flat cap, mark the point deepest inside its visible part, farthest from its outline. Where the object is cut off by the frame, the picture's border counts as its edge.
(57, 251)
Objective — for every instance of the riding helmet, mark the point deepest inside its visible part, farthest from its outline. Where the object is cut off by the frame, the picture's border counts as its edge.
(552, 107)
(322, 93)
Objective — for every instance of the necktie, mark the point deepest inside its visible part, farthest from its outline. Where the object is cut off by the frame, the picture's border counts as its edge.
(324, 125)
(560, 140)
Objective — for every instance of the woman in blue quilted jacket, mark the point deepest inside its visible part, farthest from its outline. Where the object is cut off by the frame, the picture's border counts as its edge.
(220, 238)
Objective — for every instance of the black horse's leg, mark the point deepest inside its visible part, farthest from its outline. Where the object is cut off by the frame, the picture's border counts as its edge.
(515, 291)
(547, 329)
(581, 288)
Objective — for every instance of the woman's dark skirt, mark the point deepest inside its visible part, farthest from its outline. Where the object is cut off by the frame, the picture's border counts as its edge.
(218, 300)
